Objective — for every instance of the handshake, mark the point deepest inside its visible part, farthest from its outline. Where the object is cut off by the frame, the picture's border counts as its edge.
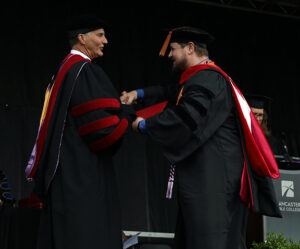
(130, 98)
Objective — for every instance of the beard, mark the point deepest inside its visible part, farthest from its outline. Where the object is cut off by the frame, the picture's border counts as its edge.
(179, 65)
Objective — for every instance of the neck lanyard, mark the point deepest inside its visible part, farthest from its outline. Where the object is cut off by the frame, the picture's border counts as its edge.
(205, 61)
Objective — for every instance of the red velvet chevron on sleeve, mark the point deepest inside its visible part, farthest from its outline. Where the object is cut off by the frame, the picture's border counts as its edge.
(102, 123)
(94, 105)
(110, 138)
(98, 125)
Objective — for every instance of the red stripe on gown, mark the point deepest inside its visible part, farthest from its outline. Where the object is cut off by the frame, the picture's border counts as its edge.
(111, 138)
(69, 61)
(98, 125)
(94, 105)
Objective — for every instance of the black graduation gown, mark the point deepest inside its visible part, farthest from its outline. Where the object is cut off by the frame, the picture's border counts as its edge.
(200, 136)
(276, 145)
(81, 206)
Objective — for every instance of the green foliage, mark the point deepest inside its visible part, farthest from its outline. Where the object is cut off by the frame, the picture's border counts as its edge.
(275, 241)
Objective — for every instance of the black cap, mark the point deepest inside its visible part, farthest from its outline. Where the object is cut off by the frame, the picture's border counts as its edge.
(187, 34)
(83, 24)
(259, 101)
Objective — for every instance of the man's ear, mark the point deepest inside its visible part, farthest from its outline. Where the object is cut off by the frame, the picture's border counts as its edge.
(81, 38)
(191, 47)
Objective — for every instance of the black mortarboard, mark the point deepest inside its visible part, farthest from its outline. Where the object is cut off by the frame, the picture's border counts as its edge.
(84, 24)
(259, 101)
(187, 34)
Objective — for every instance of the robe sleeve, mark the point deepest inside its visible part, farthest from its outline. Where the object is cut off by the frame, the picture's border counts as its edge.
(100, 118)
(156, 94)
(204, 106)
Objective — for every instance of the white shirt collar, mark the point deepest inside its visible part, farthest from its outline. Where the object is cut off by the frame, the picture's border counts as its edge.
(73, 51)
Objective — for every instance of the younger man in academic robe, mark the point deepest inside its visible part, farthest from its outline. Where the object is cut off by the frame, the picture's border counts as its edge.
(200, 133)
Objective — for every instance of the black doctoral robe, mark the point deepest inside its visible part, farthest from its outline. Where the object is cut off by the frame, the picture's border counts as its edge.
(79, 192)
(201, 137)
(276, 145)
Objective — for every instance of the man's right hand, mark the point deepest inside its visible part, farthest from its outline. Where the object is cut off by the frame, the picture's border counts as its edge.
(135, 124)
(129, 98)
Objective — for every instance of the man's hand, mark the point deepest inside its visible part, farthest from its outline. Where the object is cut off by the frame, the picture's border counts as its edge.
(129, 98)
(1, 203)
(135, 124)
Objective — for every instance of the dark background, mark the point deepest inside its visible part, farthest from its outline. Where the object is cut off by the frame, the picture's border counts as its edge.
(260, 52)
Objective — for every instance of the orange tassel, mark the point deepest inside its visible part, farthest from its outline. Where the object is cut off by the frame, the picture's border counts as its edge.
(167, 41)
(165, 44)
